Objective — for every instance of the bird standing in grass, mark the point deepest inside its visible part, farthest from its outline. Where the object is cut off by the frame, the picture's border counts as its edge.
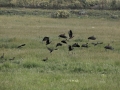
(70, 48)
(70, 34)
(91, 38)
(64, 41)
(75, 45)
(108, 47)
(62, 36)
(58, 44)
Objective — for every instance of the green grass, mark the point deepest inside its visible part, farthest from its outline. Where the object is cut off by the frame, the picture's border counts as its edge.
(82, 69)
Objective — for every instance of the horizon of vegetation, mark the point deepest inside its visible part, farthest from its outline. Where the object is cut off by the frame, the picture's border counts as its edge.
(63, 4)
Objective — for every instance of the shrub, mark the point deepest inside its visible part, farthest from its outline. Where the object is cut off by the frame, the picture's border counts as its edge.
(114, 16)
(60, 14)
(75, 5)
(44, 5)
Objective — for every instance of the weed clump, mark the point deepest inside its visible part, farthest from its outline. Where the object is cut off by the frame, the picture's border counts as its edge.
(60, 14)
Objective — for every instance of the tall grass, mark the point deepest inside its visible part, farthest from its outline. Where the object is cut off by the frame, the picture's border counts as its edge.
(91, 68)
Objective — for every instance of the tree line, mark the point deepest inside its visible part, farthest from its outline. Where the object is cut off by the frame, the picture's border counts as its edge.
(63, 4)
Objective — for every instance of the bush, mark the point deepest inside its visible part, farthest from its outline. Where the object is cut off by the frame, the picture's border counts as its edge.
(114, 16)
(75, 5)
(44, 5)
(60, 14)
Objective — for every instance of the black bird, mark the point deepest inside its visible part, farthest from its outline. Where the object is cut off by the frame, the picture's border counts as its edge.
(62, 36)
(63, 41)
(85, 45)
(12, 58)
(70, 34)
(58, 44)
(75, 45)
(45, 39)
(70, 48)
(91, 38)
(48, 42)
(21, 45)
(51, 49)
(45, 59)
(2, 56)
(108, 47)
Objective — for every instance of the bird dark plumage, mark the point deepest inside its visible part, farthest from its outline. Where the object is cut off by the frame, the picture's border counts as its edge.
(91, 38)
(48, 42)
(58, 44)
(70, 48)
(21, 45)
(45, 59)
(70, 34)
(51, 49)
(63, 41)
(75, 45)
(45, 38)
(109, 47)
(85, 45)
(62, 36)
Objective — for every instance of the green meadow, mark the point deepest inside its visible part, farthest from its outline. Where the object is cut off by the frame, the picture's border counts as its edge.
(92, 68)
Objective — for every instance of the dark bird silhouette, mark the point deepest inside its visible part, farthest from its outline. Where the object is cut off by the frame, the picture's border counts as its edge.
(21, 45)
(75, 45)
(12, 58)
(2, 56)
(70, 48)
(58, 44)
(48, 42)
(70, 34)
(62, 36)
(85, 45)
(91, 38)
(63, 41)
(45, 39)
(108, 47)
(45, 59)
(51, 49)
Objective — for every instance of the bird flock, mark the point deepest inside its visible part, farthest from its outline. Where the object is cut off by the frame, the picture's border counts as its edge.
(65, 39)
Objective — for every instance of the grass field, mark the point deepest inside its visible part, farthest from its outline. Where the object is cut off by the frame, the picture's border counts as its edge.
(91, 68)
